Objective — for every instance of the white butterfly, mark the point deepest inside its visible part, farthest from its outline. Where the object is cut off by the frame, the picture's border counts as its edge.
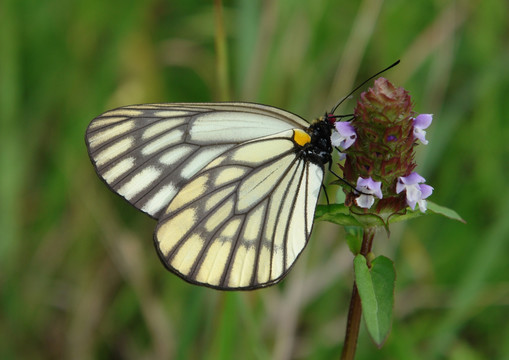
(233, 186)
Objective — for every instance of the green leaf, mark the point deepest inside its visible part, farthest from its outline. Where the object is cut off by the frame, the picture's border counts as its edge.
(336, 213)
(442, 210)
(340, 214)
(354, 238)
(376, 290)
(432, 209)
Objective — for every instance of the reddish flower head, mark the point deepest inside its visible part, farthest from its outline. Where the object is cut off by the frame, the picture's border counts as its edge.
(379, 145)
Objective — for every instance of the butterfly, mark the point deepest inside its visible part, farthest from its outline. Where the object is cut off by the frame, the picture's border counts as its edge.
(232, 185)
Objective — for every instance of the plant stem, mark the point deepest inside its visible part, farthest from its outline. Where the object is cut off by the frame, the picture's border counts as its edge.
(355, 311)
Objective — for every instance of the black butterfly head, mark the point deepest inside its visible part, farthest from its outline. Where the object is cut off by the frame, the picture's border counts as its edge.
(319, 149)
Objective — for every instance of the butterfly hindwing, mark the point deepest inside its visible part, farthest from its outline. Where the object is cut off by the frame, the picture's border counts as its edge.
(242, 222)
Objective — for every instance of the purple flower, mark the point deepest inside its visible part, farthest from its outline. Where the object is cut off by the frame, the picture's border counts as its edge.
(368, 188)
(422, 122)
(344, 136)
(415, 191)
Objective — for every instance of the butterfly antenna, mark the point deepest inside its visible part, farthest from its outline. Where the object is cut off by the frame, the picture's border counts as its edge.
(359, 86)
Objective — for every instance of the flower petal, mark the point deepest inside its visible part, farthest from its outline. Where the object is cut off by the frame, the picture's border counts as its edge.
(413, 193)
(377, 191)
(423, 205)
(416, 192)
(420, 135)
(336, 139)
(411, 204)
(345, 128)
(344, 136)
(365, 201)
(412, 179)
(426, 190)
(423, 121)
(370, 186)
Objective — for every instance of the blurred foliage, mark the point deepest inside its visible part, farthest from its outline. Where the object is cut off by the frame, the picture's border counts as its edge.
(79, 277)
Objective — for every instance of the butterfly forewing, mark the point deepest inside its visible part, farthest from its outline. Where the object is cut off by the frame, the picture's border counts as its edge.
(146, 153)
(235, 202)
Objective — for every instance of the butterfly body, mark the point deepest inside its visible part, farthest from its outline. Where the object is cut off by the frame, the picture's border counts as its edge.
(233, 185)
(319, 149)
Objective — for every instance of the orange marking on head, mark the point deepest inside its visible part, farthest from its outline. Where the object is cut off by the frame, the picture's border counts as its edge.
(301, 137)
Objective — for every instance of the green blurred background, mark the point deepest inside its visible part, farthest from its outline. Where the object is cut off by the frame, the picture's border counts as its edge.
(79, 276)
